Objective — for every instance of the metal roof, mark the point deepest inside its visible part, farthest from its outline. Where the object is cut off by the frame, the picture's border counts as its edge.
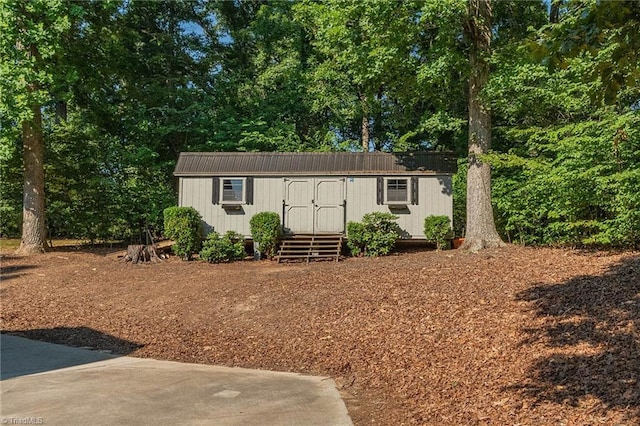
(313, 163)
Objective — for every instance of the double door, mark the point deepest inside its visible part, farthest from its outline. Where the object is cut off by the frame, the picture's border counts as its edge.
(314, 205)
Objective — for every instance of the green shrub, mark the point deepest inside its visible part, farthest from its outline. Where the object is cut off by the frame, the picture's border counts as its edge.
(10, 219)
(437, 229)
(265, 231)
(376, 235)
(226, 248)
(184, 226)
(356, 238)
(460, 199)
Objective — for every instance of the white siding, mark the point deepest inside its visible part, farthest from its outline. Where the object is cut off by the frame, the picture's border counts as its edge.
(434, 198)
(268, 193)
(198, 193)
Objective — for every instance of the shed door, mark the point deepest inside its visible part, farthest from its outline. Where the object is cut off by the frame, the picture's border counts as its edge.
(298, 206)
(329, 206)
(314, 205)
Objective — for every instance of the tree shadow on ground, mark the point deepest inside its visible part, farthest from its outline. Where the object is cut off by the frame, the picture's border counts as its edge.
(601, 313)
(81, 337)
(24, 353)
(88, 248)
(9, 272)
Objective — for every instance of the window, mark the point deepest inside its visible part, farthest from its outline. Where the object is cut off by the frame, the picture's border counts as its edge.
(397, 191)
(233, 191)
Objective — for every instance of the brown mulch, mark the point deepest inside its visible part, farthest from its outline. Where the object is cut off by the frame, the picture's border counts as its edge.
(508, 336)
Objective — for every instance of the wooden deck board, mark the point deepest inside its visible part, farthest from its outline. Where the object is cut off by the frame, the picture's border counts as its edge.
(307, 247)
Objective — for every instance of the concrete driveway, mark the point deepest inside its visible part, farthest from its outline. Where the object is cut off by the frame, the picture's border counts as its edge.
(43, 383)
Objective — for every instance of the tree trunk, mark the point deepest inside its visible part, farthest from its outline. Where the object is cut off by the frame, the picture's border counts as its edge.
(61, 112)
(554, 11)
(481, 229)
(365, 124)
(141, 254)
(33, 213)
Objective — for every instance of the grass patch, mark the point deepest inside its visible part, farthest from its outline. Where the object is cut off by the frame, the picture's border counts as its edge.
(9, 244)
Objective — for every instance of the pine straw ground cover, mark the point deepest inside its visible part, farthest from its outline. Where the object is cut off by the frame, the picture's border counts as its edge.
(509, 336)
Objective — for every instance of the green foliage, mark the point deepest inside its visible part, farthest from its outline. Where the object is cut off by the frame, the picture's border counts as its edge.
(108, 164)
(10, 220)
(266, 231)
(383, 62)
(31, 40)
(297, 76)
(94, 191)
(567, 159)
(437, 229)
(376, 235)
(572, 184)
(226, 248)
(356, 238)
(10, 192)
(605, 34)
(263, 102)
(460, 199)
(184, 226)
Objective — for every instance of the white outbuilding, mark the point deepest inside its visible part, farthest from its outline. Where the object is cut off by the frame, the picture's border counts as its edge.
(315, 192)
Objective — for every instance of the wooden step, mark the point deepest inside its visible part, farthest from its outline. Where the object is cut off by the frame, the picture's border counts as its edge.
(309, 247)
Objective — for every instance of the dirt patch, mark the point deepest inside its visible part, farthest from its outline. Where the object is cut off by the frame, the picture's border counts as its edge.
(508, 336)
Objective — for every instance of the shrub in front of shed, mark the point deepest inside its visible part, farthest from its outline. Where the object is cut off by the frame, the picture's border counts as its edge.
(266, 231)
(437, 229)
(376, 235)
(184, 226)
(223, 248)
(355, 238)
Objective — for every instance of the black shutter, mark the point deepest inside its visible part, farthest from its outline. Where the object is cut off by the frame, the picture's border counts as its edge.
(414, 190)
(380, 191)
(216, 191)
(249, 191)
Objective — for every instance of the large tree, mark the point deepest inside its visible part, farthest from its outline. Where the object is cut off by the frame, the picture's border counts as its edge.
(134, 80)
(366, 64)
(481, 229)
(30, 42)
